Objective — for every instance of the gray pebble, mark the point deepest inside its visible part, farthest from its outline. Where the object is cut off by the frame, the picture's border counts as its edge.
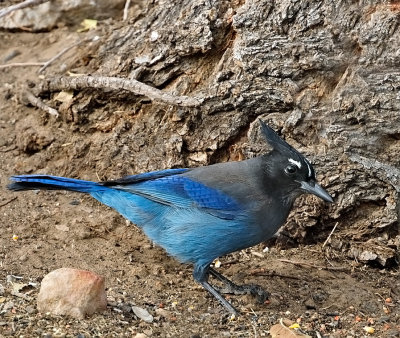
(143, 314)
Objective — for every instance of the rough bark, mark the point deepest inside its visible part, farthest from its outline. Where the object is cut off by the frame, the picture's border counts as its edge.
(325, 74)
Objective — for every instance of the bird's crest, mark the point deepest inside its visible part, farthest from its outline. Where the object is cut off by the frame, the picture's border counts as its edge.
(285, 149)
(274, 140)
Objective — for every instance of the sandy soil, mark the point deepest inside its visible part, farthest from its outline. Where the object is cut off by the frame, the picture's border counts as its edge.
(327, 294)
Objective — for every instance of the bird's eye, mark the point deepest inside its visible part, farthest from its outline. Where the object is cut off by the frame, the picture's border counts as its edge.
(290, 169)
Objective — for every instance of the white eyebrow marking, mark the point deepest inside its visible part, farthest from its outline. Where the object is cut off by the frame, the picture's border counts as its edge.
(297, 163)
(308, 166)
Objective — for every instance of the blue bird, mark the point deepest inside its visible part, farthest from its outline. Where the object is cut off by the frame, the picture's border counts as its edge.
(199, 214)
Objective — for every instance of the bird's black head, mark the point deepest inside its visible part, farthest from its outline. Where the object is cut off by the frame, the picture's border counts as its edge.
(289, 170)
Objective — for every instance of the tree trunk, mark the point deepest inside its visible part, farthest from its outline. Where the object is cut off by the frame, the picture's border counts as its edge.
(324, 74)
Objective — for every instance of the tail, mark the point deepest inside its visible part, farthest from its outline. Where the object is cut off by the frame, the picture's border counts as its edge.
(32, 182)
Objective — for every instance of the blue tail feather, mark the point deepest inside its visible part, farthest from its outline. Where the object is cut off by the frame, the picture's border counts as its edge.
(32, 182)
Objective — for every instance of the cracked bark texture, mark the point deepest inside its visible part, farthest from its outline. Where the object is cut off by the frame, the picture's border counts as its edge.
(325, 74)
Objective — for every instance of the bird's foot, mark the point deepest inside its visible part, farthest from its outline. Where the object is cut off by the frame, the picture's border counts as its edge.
(221, 299)
(255, 290)
(231, 288)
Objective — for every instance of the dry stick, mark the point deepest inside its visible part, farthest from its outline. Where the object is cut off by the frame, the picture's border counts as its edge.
(36, 102)
(48, 62)
(22, 64)
(21, 5)
(126, 10)
(8, 149)
(312, 265)
(66, 49)
(232, 261)
(134, 86)
(8, 202)
(329, 237)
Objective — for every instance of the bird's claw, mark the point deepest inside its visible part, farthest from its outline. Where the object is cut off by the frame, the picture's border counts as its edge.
(255, 290)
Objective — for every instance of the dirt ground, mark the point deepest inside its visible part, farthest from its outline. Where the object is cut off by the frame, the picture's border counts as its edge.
(327, 294)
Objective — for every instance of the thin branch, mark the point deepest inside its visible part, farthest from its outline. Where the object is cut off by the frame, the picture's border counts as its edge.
(48, 62)
(232, 261)
(104, 82)
(329, 237)
(24, 4)
(8, 202)
(36, 102)
(13, 147)
(126, 10)
(66, 49)
(22, 64)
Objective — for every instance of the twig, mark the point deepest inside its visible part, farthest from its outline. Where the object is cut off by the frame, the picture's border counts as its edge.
(48, 62)
(232, 261)
(257, 254)
(8, 202)
(134, 86)
(22, 64)
(378, 294)
(329, 237)
(252, 324)
(36, 102)
(8, 149)
(126, 10)
(325, 308)
(66, 49)
(335, 268)
(21, 5)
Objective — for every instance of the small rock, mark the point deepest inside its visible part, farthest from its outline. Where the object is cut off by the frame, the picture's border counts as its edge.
(163, 313)
(75, 202)
(310, 304)
(1, 290)
(72, 292)
(383, 319)
(143, 314)
(8, 306)
(140, 335)
(58, 333)
(30, 309)
(125, 308)
(23, 258)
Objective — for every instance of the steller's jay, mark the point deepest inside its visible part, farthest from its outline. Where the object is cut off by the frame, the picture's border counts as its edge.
(199, 214)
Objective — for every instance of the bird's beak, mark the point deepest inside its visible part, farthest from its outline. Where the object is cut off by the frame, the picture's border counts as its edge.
(314, 188)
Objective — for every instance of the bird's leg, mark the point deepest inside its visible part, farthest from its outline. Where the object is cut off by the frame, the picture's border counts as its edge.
(231, 287)
(201, 274)
(218, 296)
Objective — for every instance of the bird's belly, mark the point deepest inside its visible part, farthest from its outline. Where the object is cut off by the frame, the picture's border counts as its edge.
(196, 236)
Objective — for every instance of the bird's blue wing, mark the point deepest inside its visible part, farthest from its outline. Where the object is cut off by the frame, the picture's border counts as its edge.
(182, 192)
